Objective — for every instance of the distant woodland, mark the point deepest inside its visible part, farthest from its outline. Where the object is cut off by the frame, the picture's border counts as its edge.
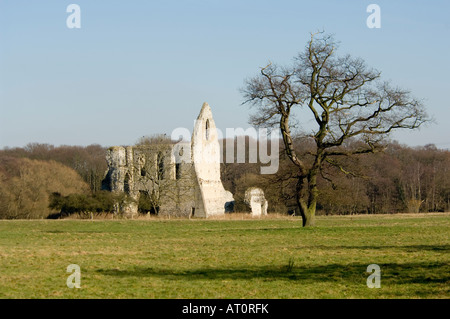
(35, 179)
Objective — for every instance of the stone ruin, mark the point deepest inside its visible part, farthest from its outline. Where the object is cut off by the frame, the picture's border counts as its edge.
(254, 197)
(178, 179)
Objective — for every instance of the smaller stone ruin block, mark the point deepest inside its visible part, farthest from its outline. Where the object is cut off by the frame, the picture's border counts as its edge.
(254, 197)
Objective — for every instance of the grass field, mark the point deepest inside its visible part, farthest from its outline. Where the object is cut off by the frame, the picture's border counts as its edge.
(262, 258)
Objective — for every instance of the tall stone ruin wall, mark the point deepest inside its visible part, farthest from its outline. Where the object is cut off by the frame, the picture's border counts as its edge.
(206, 159)
(191, 187)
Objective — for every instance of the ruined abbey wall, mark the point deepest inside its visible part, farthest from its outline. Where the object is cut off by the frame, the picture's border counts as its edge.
(175, 184)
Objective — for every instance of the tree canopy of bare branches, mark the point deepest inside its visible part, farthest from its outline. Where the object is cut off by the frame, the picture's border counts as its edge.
(347, 100)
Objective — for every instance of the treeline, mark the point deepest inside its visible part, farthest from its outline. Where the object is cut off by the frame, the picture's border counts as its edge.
(25, 186)
(401, 179)
(84, 205)
(30, 174)
(45, 181)
(89, 162)
(42, 180)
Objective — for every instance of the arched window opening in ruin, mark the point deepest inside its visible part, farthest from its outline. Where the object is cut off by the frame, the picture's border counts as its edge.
(160, 165)
(177, 171)
(144, 203)
(126, 184)
(143, 171)
(207, 129)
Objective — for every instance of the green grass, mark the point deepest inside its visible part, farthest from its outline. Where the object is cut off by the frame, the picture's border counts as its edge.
(266, 258)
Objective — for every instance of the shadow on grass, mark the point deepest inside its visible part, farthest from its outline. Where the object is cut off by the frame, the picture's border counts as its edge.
(74, 232)
(390, 273)
(409, 248)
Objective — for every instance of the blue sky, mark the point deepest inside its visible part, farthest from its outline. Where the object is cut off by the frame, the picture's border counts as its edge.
(136, 68)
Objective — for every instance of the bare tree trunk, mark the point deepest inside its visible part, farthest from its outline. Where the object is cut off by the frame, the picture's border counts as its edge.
(313, 194)
(308, 212)
(306, 197)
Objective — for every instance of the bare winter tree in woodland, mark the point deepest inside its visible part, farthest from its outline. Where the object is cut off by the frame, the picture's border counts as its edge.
(348, 103)
(165, 181)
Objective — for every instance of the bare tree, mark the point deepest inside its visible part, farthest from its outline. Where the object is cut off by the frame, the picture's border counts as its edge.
(150, 168)
(348, 103)
(166, 182)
